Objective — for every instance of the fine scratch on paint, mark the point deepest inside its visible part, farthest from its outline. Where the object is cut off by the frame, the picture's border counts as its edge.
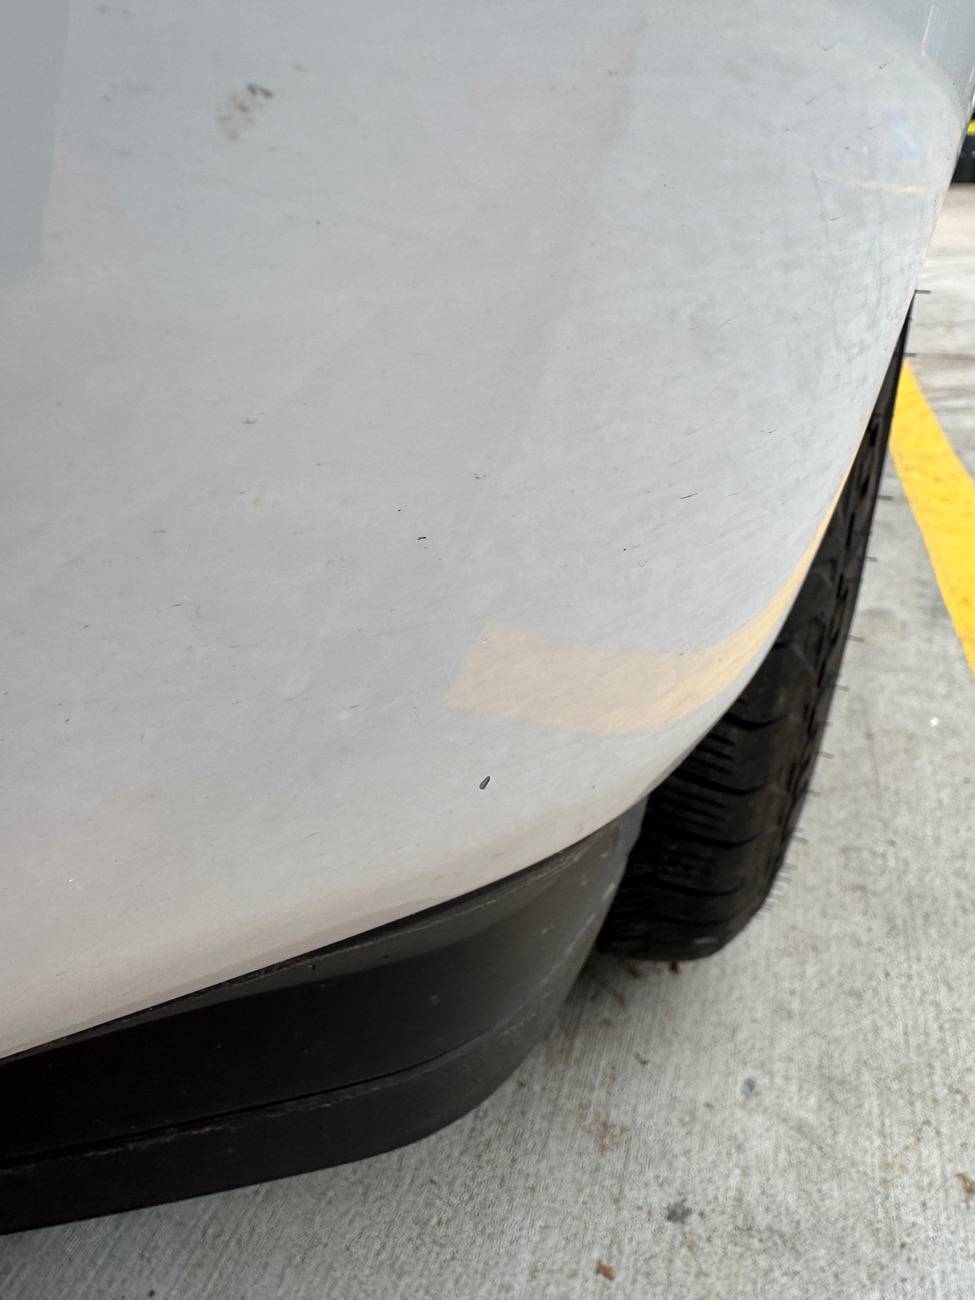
(942, 497)
(927, 30)
(872, 183)
(513, 672)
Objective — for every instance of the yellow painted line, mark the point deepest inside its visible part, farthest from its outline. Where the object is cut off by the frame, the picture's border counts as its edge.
(942, 496)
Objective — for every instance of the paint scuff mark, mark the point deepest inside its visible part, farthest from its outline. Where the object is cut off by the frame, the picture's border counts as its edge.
(240, 110)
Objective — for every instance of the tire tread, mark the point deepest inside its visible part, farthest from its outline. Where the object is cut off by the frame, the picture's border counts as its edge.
(715, 833)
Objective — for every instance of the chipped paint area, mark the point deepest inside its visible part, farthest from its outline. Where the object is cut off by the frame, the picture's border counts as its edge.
(515, 673)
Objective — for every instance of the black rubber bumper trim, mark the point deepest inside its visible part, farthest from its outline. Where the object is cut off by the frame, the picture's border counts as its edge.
(336, 1055)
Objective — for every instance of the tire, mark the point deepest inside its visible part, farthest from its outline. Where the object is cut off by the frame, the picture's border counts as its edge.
(715, 833)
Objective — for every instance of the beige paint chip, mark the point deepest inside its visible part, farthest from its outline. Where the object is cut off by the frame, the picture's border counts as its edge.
(515, 673)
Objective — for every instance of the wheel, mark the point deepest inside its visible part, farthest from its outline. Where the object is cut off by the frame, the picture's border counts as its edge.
(715, 833)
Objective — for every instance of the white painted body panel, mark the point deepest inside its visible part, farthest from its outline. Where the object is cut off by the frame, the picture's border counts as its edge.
(463, 408)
